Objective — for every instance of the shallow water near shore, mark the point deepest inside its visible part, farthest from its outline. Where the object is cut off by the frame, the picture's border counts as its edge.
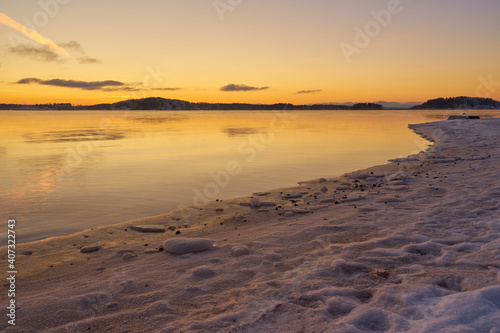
(67, 171)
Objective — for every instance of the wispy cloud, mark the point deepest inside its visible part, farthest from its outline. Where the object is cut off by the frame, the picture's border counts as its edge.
(32, 34)
(42, 53)
(309, 91)
(107, 85)
(88, 60)
(241, 87)
(73, 45)
(77, 47)
(166, 89)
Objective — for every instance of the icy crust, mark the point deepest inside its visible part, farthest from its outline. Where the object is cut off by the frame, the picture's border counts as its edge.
(413, 246)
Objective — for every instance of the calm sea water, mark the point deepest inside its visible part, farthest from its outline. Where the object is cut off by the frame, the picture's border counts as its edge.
(63, 172)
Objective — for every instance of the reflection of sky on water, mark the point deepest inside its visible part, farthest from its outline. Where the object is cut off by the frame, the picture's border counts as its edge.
(73, 136)
(241, 131)
(153, 119)
(31, 164)
(63, 172)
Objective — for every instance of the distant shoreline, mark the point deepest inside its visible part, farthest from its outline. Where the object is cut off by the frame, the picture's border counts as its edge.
(163, 104)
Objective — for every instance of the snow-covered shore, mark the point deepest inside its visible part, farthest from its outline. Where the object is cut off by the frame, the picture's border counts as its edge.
(412, 246)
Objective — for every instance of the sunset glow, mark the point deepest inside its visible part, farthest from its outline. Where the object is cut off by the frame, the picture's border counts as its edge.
(35, 36)
(265, 51)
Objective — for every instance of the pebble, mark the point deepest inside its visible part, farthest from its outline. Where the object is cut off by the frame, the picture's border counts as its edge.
(187, 245)
(325, 201)
(324, 189)
(396, 176)
(240, 250)
(397, 183)
(255, 202)
(292, 196)
(127, 256)
(300, 211)
(149, 228)
(88, 249)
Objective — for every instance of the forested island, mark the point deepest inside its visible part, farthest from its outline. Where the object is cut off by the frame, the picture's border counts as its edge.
(460, 103)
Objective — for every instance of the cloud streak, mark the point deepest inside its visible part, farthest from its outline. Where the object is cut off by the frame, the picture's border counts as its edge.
(40, 53)
(107, 85)
(166, 89)
(32, 34)
(241, 87)
(309, 91)
(88, 60)
(43, 53)
(73, 45)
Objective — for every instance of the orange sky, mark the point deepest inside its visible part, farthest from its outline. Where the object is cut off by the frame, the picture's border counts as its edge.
(264, 51)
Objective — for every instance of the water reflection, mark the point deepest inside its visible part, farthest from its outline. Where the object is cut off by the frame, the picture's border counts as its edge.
(30, 164)
(152, 119)
(66, 171)
(242, 131)
(73, 136)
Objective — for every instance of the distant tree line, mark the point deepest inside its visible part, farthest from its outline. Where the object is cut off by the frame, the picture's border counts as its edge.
(50, 106)
(157, 103)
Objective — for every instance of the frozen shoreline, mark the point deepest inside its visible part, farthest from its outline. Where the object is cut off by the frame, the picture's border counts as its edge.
(409, 246)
